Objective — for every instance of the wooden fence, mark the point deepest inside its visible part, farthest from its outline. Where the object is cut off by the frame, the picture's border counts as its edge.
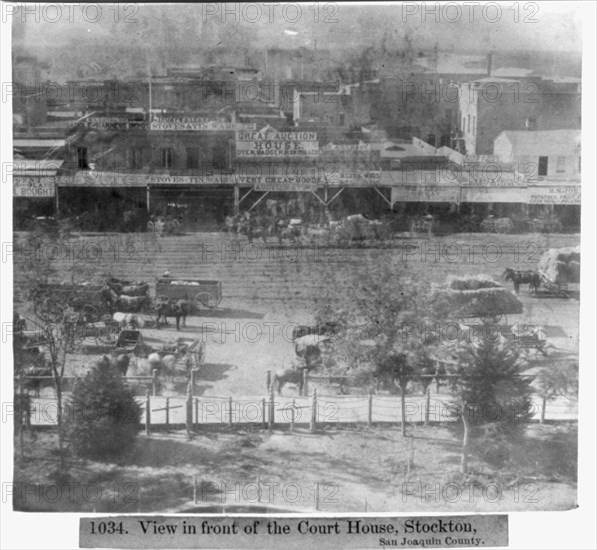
(194, 413)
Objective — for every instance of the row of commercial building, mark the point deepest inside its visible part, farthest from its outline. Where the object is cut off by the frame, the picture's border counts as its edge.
(207, 148)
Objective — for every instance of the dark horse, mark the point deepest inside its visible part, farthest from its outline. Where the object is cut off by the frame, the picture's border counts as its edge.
(522, 277)
(179, 310)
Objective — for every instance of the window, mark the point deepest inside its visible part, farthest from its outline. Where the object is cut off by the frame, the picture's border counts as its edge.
(542, 166)
(220, 157)
(474, 124)
(193, 158)
(166, 158)
(82, 158)
(560, 165)
(468, 123)
(342, 119)
(463, 124)
(136, 157)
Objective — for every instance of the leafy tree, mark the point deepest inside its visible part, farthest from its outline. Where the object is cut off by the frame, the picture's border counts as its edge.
(105, 417)
(559, 380)
(380, 313)
(493, 398)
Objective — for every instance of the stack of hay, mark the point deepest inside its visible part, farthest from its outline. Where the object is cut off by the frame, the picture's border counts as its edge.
(561, 265)
(477, 296)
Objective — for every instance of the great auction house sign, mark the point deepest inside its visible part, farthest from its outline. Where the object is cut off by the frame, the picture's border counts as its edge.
(268, 142)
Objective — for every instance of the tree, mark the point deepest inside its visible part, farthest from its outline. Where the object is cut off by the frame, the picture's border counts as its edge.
(559, 380)
(381, 315)
(105, 417)
(493, 398)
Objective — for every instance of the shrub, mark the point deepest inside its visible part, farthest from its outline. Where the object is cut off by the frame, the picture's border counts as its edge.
(105, 417)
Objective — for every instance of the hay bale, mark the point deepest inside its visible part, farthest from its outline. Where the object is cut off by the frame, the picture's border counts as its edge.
(484, 302)
(561, 265)
(473, 282)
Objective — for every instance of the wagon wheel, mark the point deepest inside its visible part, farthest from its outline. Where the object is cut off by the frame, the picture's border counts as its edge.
(206, 299)
(49, 310)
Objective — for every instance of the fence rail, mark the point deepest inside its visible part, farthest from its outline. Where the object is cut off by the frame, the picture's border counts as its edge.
(275, 411)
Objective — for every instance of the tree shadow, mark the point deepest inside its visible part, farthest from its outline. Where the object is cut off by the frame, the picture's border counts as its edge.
(230, 313)
(212, 372)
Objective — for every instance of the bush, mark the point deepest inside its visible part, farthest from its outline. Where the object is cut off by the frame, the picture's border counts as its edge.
(495, 395)
(105, 417)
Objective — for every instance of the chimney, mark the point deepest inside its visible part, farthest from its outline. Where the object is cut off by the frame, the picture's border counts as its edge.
(489, 63)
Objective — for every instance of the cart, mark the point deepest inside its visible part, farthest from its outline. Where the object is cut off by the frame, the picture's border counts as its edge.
(201, 294)
(53, 300)
(129, 341)
(553, 289)
(191, 355)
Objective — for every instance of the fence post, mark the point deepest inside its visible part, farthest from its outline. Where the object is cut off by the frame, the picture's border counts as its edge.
(263, 408)
(427, 406)
(292, 416)
(194, 489)
(316, 496)
(314, 412)
(196, 412)
(230, 411)
(543, 407)
(268, 380)
(192, 381)
(305, 382)
(370, 409)
(189, 411)
(437, 380)
(22, 404)
(167, 414)
(147, 412)
(271, 410)
(154, 382)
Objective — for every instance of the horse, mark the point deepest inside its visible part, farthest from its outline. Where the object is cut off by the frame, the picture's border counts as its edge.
(128, 304)
(522, 277)
(121, 363)
(289, 376)
(179, 309)
(140, 289)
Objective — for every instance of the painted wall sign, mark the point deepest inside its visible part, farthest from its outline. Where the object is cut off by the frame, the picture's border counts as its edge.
(569, 194)
(428, 193)
(34, 186)
(271, 143)
(494, 194)
(209, 126)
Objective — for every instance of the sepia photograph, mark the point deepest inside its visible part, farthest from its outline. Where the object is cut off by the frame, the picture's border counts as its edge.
(295, 258)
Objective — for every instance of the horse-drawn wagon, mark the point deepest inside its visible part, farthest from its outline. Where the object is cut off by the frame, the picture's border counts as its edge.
(52, 300)
(200, 294)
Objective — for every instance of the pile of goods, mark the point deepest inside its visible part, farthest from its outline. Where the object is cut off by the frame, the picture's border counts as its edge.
(128, 288)
(358, 226)
(474, 297)
(561, 265)
(186, 283)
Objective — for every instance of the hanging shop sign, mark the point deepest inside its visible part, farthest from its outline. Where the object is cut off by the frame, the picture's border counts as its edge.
(34, 186)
